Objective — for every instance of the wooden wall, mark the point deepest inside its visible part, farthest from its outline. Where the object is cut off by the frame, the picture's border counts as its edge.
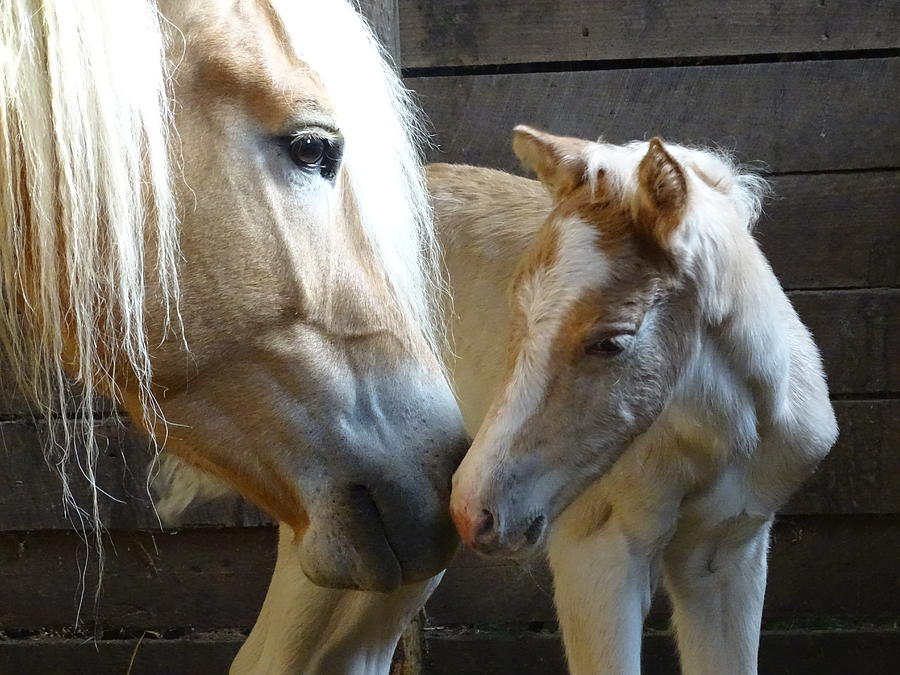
(810, 90)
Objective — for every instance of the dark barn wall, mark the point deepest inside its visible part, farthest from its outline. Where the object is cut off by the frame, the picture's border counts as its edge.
(808, 88)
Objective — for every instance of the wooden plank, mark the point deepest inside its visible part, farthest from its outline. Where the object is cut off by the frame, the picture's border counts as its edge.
(799, 116)
(31, 496)
(818, 652)
(834, 230)
(212, 579)
(858, 333)
(209, 579)
(475, 33)
(206, 653)
(862, 472)
(859, 476)
(195, 654)
(384, 18)
(814, 652)
(814, 566)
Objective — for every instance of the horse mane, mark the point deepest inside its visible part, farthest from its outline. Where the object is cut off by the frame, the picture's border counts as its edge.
(86, 166)
(385, 133)
(85, 173)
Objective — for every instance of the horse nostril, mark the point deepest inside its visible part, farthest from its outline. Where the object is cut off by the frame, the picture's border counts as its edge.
(485, 526)
(535, 530)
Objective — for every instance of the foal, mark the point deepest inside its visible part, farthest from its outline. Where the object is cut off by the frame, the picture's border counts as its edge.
(644, 395)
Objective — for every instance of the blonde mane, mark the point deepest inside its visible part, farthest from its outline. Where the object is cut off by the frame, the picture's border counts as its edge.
(85, 178)
(384, 134)
(85, 158)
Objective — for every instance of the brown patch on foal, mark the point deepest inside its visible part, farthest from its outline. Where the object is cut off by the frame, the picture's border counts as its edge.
(595, 517)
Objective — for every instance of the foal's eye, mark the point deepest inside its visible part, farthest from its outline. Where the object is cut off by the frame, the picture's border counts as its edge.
(317, 154)
(610, 346)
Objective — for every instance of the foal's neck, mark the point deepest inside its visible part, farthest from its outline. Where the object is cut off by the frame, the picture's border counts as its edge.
(739, 378)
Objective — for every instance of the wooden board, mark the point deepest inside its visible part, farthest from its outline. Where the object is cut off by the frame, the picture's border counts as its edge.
(859, 476)
(31, 496)
(475, 33)
(858, 333)
(212, 579)
(814, 565)
(862, 472)
(800, 116)
(208, 579)
(197, 654)
(833, 230)
(795, 652)
(873, 652)
(384, 18)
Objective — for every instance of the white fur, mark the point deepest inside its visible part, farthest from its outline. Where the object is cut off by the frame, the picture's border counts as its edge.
(546, 299)
(694, 496)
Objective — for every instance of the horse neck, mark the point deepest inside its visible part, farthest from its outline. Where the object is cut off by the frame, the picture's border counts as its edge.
(739, 378)
(306, 628)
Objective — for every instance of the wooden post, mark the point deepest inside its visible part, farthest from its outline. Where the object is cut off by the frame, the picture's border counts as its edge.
(384, 17)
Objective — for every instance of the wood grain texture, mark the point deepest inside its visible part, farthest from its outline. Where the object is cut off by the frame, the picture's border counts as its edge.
(800, 116)
(860, 476)
(797, 652)
(212, 579)
(862, 472)
(814, 564)
(794, 652)
(207, 579)
(858, 333)
(474, 32)
(833, 230)
(31, 496)
(193, 655)
(384, 18)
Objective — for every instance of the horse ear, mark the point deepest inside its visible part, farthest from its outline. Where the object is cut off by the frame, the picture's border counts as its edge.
(558, 161)
(662, 193)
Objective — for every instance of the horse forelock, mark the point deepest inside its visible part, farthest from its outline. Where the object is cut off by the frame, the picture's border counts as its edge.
(384, 134)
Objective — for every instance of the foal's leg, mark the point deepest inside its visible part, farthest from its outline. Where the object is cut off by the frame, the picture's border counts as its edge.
(603, 585)
(716, 577)
(304, 628)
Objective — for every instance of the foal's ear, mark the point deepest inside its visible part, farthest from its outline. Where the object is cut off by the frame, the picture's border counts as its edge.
(661, 195)
(558, 161)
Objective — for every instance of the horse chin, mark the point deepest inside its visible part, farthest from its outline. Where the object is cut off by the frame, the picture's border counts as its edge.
(329, 560)
(359, 547)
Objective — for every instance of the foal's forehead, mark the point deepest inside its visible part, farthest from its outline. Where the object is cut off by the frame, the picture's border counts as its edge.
(565, 262)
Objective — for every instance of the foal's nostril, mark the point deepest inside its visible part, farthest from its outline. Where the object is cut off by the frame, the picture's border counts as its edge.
(484, 528)
(535, 530)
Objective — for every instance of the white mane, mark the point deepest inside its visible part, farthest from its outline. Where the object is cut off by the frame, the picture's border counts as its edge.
(384, 133)
(716, 168)
(84, 177)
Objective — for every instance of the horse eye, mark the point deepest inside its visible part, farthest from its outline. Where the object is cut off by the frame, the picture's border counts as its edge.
(308, 150)
(610, 346)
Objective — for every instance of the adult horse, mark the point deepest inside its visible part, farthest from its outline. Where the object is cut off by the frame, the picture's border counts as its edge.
(212, 212)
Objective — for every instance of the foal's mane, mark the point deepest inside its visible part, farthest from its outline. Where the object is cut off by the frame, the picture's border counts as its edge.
(86, 196)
